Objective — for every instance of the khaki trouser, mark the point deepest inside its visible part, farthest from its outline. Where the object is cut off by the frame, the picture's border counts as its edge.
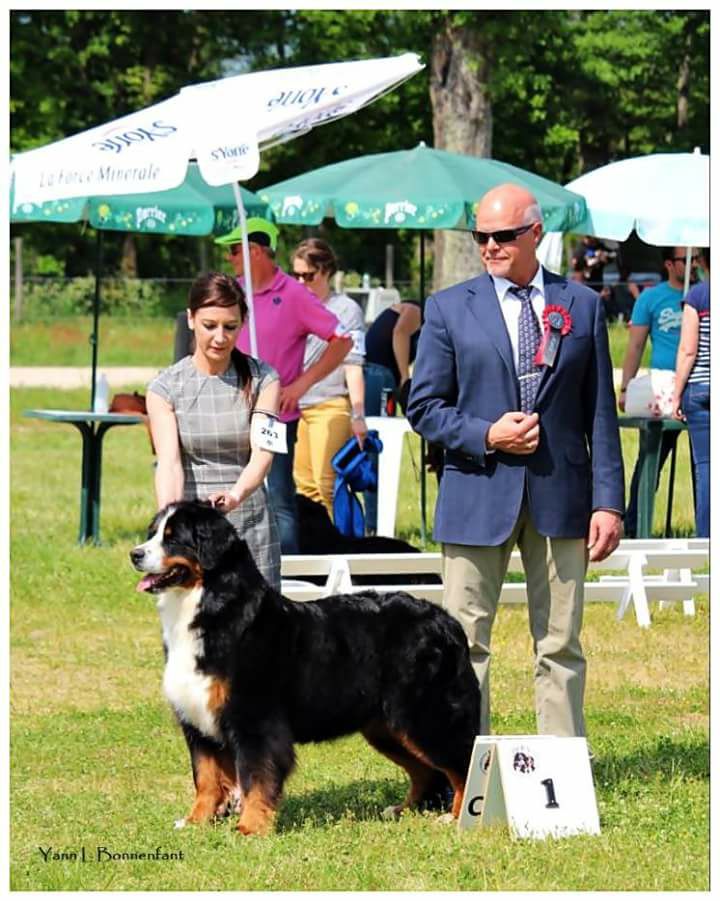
(322, 431)
(555, 571)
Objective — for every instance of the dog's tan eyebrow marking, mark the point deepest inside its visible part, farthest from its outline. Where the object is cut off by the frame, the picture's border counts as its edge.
(195, 572)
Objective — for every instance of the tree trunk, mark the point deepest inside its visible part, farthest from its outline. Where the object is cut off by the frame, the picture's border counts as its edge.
(128, 263)
(683, 86)
(462, 123)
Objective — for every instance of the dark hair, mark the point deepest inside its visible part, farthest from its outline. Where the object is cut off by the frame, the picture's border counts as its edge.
(215, 289)
(317, 253)
(668, 255)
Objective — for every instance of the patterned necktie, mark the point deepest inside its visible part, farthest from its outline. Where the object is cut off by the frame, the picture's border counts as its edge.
(529, 336)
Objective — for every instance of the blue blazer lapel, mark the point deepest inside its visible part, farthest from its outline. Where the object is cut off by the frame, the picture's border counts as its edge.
(483, 303)
(557, 291)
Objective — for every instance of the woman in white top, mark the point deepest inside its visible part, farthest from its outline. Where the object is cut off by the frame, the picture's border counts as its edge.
(334, 408)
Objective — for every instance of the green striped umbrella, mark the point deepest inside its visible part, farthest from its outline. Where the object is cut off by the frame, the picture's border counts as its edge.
(422, 188)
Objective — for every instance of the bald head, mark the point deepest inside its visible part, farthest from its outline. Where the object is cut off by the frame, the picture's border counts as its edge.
(512, 203)
(509, 221)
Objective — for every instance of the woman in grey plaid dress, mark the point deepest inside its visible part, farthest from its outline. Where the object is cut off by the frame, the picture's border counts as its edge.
(200, 412)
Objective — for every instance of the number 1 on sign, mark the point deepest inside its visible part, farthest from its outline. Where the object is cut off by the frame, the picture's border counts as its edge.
(550, 790)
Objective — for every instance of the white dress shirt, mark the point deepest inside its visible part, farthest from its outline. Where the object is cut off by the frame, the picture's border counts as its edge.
(510, 305)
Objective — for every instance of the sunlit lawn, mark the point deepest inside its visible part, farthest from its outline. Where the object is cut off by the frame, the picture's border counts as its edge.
(96, 760)
(127, 341)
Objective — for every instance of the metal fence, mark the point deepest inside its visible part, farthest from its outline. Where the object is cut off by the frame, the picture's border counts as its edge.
(47, 297)
(50, 297)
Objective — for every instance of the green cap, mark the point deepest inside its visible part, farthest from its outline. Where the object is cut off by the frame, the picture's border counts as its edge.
(260, 231)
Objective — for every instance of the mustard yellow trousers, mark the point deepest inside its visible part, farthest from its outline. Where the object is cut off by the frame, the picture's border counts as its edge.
(322, 431)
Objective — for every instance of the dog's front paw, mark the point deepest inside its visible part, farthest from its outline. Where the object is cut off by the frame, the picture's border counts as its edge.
(445, 819)
(236, 800)
(180, 824)
(393, 812)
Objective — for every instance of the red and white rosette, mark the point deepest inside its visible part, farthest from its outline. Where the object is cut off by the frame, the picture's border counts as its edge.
(557, 323)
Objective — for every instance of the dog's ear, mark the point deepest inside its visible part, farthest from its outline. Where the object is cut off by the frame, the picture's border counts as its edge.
(152, 528)
(214, 538)
(232, 583)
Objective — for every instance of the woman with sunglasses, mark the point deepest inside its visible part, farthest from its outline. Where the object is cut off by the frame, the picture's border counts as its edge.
(334, 408)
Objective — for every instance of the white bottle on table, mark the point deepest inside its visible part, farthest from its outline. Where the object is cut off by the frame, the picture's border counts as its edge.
(102, 394)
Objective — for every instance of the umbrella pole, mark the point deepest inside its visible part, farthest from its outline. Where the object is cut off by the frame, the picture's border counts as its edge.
(423, 478)
(246, 269)
(688, 262)
(688, 253)
(96, 315)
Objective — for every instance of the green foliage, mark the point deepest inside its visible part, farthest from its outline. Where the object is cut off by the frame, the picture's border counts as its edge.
(48, 265)
(48, 298)
(570, 90)
(73, 69)
(576, 90)
(51, 298)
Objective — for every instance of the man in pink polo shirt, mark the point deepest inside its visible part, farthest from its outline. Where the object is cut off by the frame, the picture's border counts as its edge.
(285, 314)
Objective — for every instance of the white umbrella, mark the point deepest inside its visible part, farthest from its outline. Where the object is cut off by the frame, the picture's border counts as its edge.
(665, 197)
(223, 124)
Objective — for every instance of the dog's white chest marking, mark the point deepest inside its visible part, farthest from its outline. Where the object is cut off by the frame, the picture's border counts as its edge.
(187, 689)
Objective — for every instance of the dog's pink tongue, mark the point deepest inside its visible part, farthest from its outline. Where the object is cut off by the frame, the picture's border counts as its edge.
(144, 584)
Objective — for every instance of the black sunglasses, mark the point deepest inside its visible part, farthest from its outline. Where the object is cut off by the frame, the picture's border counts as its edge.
(503, 236)
(305, 276)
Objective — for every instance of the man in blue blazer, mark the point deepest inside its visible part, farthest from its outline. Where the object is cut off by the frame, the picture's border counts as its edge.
(513, 378)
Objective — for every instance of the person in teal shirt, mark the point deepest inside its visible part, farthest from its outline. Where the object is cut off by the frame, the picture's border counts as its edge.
(657, 313)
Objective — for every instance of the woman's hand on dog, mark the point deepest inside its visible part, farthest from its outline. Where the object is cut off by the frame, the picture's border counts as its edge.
(225, 501)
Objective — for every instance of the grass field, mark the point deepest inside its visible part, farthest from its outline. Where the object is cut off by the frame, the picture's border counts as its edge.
(97, 761)
(66, 342)
(138, 342)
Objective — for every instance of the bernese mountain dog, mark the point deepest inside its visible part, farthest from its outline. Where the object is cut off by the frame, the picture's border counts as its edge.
(249, 673)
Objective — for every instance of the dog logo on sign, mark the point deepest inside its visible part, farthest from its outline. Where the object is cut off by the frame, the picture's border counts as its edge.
(523, 762)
